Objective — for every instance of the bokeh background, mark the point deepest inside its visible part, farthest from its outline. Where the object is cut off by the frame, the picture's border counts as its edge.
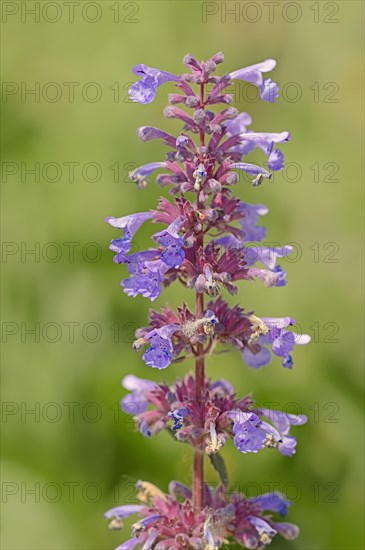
(76, 456)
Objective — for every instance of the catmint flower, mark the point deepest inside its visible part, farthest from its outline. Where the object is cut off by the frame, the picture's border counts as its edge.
(265, 531)
(145, 90)
(238, 125)
(273, 502)
(254, 170)
(136, 401)
(130, 224)
(159, 354)
(244, 143)
(266, 254)
(270, 277)
(118, 513)
(251, 214)
(282, 342)
(173, 255)
(147, 274)
(253, 75)
(149, 133)
(252, 434)
(140, 175)
(269, 90)
(275, 159)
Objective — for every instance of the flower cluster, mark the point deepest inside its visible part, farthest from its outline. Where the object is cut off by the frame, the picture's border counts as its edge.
(174, 333)
(158, 406)
(168, 521)
(207, 240)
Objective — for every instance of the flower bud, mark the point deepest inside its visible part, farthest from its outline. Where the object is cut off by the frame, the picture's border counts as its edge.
(190, 61)
(215, 186)
(231, 178)
(210, 66)
(176, 98)
(218, 58)
(192, 101)
(199, 116)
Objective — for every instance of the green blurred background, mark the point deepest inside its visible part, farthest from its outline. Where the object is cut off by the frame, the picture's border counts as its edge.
(76, 453)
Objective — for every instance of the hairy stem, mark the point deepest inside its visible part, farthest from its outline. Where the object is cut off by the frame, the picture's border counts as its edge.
(198, 472)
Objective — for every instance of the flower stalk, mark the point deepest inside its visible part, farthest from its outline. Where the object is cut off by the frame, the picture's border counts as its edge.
(198, 463)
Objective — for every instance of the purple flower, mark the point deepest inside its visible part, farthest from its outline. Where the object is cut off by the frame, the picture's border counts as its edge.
(130, 224)
(275, 277)
(145, 90)
(251, 214)
(269, 90)
(252, 434)
(140, 175)
(159, 354)
(238, 124)
(173, 255)
(242, 143)
(147, 274)
(273, 502)
(287, 530)
(253, 170)
(275, 159)
(265, 531)
(136, 402)
(282, 342)
(149, 133)
(283, 422)
(258, 359)
(253, 75)
(248, 437)
(120, 512)
(178, 416)
(264, 139)
(266, 254)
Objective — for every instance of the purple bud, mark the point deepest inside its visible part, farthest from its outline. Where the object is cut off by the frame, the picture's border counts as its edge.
(176, 98)
(231, 178)
(250, 541)
(199, 116)
(215, 186)
(210, 66)
(192, 101)
(218, 58)
(190, 61)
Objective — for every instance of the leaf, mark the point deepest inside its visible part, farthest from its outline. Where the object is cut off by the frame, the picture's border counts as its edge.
(220, 467)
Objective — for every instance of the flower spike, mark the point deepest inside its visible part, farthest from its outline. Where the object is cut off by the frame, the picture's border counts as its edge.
(208, 241)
